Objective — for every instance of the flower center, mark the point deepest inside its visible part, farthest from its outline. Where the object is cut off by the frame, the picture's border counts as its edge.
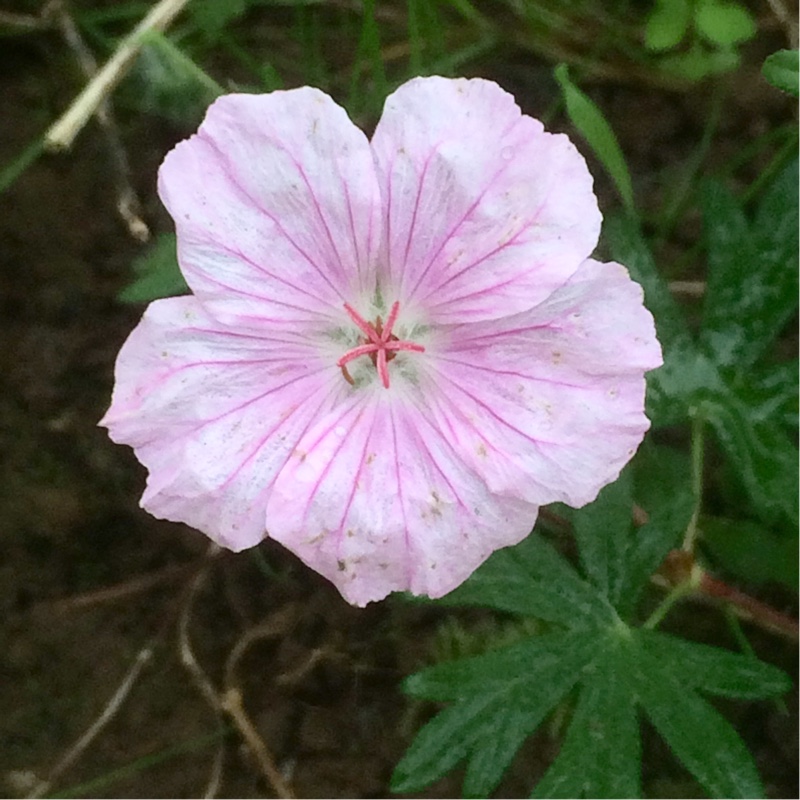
(380, 344)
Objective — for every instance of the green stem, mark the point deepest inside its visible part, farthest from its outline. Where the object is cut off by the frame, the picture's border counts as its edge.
(683, 192)
(101, 783)
(698, 442)
(737, 632)
(678, 593)
(21, 163)
(767, 174)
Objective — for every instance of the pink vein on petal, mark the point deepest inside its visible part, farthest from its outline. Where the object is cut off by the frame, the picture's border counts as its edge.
(474, 342)
(388, 218)
(237, 254)
(242, 405)
(408, 566)
(235, 182)
(296, 341)
(450, 409)
(413, 222)
(513, 373)
(348, 505)
(421, 443)
(331, 460)
(488, 290)
(455, 228)
(486, 407)
(321, 216)
(356, 238)
(268, 435)
(278, 145)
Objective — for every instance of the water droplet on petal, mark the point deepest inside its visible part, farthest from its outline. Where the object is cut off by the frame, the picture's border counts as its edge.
(340, 431)
(506, 153)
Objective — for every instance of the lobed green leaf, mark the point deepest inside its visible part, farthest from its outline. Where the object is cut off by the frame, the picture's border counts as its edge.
(752, 278)
(532, 579)
(601, 753)
(602, 530)
(501, 698)
(711, 669)
(699, 736)
(771, 394)
(650, 546)
(765, 458)
(781, 69)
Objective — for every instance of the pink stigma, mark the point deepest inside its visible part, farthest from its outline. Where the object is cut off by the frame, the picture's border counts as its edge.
(381, 344)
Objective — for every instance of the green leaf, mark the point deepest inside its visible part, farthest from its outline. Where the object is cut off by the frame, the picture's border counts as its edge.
(699, 63)
(686, 370)
(751, 551)
(667, 24)
(628, 246)
(765, 458)
(501, 698)
(724, 23)
(772, 392)
(699, 736)
(712, 669)
(532, 579)
(212, 16)
(752, 278)
(661, 474)
(169, 83)
(602, 530)
(781, 70)
(775, 226)
(157, 273)
(592, 125)
(650, 546)
(601, 754)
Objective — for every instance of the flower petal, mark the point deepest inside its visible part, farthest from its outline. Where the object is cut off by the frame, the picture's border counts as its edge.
(276, 206)
(486, 214)
(214, 415)
(376, 500)
(549, 405)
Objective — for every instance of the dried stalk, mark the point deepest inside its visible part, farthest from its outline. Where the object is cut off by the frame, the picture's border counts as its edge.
(63, 132)
(230, 702)
(128, 204)
(93, 731)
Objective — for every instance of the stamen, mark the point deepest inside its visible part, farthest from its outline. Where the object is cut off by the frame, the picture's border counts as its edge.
(381, 344)
(369, 330)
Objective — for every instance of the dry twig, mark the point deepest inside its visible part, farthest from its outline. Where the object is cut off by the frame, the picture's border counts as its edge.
(230, 702)
(787, 21)
(128, 204)
(63, 132)
(119, 591)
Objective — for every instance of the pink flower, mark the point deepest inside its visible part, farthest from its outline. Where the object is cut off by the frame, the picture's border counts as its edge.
(395, 350)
